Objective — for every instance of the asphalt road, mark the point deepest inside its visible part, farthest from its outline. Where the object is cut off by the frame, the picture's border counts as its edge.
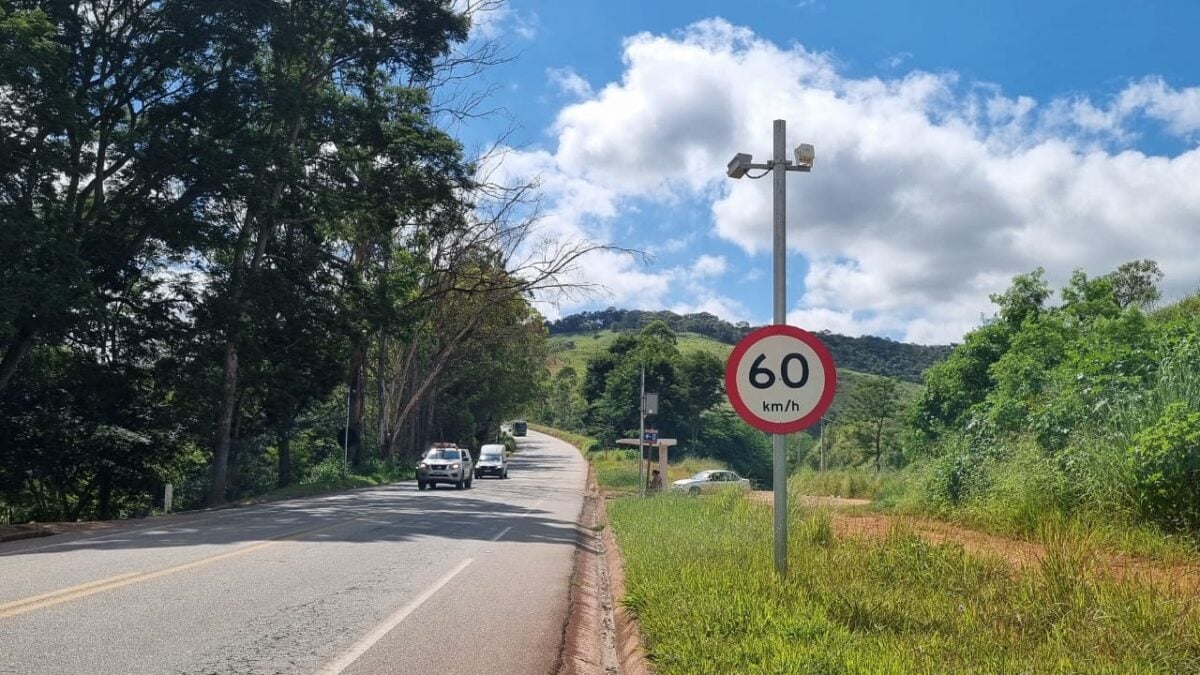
(380, 580)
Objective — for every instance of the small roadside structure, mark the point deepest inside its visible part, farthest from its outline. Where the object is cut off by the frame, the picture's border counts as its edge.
(662, 444)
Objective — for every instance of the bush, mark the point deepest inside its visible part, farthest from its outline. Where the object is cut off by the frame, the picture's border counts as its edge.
(1022, 491)
(951, 479)
(330, 469)
(1166, 465)
(510, 443)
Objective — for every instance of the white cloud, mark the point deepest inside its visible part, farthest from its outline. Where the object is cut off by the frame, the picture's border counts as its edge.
(569, 82)
(752, 275)
(726, 308)
(492, 18)
(1179, 109)
(709, 266)
(896, 60)
(676, 244)
(835, 321)
(928, 192)
(526, 25)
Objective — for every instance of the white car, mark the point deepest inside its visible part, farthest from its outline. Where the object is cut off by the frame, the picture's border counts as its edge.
(710, 480)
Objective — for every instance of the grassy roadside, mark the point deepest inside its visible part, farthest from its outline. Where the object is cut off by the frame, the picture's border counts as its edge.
(617, 469)
(1018, 513)
(700, 580)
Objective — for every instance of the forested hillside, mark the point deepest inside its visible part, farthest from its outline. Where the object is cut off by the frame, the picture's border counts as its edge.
(868, 354)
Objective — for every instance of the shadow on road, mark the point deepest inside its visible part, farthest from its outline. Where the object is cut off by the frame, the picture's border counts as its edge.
(391, 513)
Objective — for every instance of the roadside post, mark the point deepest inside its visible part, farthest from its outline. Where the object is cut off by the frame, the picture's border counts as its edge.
(649, 407)
(641, 458)
(650, 437)
(784, 385)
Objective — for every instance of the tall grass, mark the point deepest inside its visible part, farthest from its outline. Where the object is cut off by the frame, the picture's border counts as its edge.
(700, 579)
(618, 470)
(1175, 381)
(846, 483)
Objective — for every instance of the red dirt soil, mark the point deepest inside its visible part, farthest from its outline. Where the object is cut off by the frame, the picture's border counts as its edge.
(1019, 554)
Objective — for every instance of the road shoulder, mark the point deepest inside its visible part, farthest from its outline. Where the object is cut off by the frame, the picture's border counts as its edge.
(601, 636)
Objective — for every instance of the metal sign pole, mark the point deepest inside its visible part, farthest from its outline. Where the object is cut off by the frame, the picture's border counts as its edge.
(780, 253)
(642, 434)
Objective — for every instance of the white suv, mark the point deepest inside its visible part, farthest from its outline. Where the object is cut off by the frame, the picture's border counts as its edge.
(445, 463)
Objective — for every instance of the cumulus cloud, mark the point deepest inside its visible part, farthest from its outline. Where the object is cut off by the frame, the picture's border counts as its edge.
(709, 266)
(928, 192)
(569, 82)
(717, 305)
(492, 18)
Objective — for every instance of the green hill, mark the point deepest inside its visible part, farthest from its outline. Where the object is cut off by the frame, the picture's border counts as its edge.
(575, 349)
(868, 354)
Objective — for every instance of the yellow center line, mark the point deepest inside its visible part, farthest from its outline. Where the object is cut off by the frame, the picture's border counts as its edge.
(58, 597)
(61, 591)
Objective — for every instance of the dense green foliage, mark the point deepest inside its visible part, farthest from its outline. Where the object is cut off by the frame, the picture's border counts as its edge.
(699, 578)
(1166, 464)
(868, 354)
(238, 243)
(1087, 408)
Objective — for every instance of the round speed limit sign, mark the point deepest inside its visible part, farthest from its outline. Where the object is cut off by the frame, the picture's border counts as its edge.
(780, 379)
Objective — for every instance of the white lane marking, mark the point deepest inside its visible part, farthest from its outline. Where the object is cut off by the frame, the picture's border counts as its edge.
(526, 515)
(390, 623)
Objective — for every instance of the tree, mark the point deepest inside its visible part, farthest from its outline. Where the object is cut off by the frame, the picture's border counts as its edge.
(1135, 283)
(726, 437)
(703, 377)
(872, 414)
(100, 151)
(307, 63)
(1026, 297)
(564, 406)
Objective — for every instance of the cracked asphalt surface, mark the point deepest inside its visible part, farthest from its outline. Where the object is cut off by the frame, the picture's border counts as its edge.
(379, 580)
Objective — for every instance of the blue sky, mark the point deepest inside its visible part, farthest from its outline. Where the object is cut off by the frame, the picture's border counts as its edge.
(958, 144)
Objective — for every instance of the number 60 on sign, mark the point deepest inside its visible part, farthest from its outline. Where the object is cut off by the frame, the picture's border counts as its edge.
(780, 379)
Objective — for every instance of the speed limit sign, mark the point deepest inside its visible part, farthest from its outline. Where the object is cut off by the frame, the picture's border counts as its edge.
(780, 379)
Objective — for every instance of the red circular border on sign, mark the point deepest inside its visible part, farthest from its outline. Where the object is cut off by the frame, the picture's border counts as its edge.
(735, 397)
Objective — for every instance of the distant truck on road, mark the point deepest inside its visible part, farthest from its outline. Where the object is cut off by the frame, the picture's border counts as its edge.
(519, 427)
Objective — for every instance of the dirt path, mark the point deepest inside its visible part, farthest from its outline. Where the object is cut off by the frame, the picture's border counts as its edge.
(1019, 554)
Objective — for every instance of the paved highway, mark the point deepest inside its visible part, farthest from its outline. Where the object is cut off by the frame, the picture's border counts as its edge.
(380, 580)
